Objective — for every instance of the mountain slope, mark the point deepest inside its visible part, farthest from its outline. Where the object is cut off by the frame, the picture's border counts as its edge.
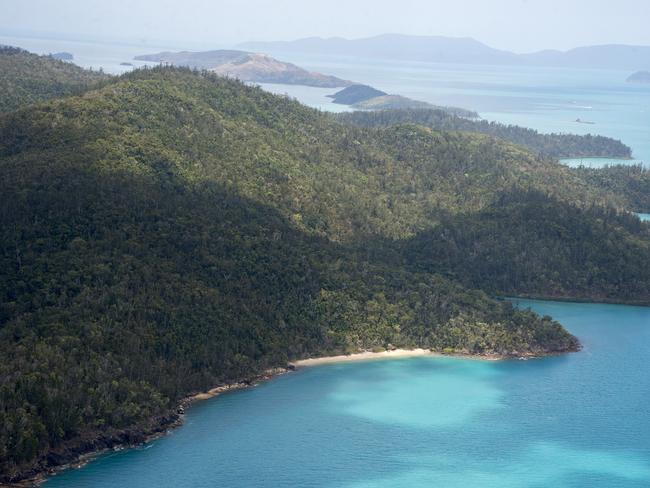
(172, 231)
(531, 245)
(27, 78)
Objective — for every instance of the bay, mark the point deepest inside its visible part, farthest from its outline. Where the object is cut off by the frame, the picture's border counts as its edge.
(573, 421)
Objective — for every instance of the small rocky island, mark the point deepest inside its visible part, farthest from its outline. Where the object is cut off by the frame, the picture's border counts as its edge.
(366, 97)
(640, 77)
(355, 94)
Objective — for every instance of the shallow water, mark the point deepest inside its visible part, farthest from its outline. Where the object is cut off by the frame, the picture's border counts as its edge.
(573, 421)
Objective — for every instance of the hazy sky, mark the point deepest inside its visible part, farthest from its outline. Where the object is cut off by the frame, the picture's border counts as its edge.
(520, 25)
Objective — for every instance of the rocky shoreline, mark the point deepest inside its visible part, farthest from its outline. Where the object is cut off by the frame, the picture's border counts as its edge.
(92, 444)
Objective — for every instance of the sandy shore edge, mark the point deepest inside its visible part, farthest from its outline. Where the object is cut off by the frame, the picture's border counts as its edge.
(364, 356)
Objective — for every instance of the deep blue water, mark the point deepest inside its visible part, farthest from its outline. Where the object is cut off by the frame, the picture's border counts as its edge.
(580, 420)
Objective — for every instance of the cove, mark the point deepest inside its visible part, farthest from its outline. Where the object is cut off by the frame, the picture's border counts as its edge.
(579, 420)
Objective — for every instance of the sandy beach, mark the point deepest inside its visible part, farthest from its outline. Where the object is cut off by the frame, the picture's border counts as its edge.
(343, 358)
(365, 356)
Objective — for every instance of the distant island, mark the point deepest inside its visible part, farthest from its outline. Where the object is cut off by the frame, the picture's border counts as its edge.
(247, 66)
(126, 64)
(639, 77)
(355, 94)
(364, 97)
(63, 56)
(463, 50)
(387, 102)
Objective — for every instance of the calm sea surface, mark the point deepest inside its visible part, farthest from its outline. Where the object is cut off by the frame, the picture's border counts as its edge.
(580, 420)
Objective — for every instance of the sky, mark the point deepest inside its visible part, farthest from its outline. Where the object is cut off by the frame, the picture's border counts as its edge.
(516, 25)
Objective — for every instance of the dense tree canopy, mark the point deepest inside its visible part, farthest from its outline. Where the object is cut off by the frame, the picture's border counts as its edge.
(27, 78)
(630, 181)
(548, 145)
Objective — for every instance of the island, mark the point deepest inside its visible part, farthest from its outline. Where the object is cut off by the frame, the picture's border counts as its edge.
(364, 97)
(63, 56)
(642, 77)
(246, 66)
(124, 63)
(389, 102)
(355, 94)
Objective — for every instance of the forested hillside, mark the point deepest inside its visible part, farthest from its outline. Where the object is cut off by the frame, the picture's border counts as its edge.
(549, 145)
(174, 230)
(531, 245)
(630, 181)
(27, 78)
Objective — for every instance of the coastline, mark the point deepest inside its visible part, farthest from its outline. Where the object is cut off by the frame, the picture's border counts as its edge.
(396, 354)
(568, 299)
(364, 356)
(76, 456)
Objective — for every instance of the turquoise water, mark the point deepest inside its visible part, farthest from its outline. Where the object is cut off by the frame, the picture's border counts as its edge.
(580, 420)
(644, 216)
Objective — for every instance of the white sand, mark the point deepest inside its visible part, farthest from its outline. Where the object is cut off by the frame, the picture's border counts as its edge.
(364, 356)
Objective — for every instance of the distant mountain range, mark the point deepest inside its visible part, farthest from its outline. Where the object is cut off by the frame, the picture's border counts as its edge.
(246, 66)
(460, 50)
